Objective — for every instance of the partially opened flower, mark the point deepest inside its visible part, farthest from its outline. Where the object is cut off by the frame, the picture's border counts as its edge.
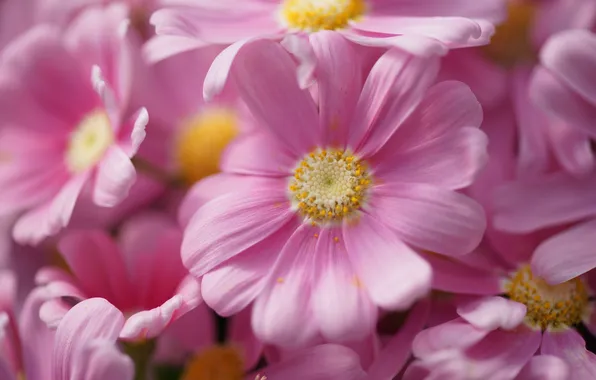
(85, 344)
(141, 275)
(63, 98)
(316, 215)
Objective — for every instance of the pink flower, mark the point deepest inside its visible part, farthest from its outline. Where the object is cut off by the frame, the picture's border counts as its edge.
(316, 215)
(500, 75)
(64, 124)
(85, 344)
(25, 341)
(142, 275)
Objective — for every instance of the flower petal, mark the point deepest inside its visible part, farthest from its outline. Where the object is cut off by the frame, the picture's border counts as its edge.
(490, 313)
(115, 176)
(544, 367)
(100, 359)
(392, 273)
(571, 347)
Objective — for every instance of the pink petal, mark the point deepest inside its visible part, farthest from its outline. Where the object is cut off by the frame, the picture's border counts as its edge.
(413, 44)
(100, 360)
(566, 255)
(52, 312)
(395, 86)
(6, 371)
(526, 206)
(544, 367)
(91, 319)
(274, 97)
(115, 176)
(231, 224)
(340, 304)
(339, 78)
(557, 98)
(282, 313)
(98, 264)
(257, 154)
(217, 185)
(51, 217)
(455, 277)
(162, 47)
(333, 362)
(572, 147)
(450, 161)
(429, 217)
(149, 324)
(571, 347)
(132, 133)
(456, 334)
(396, 352)
(8, 289)
(490, 313)
(557, 16)
(570, 56)
(393, 274)
(242, 335)
(491, 10)
(234, 284)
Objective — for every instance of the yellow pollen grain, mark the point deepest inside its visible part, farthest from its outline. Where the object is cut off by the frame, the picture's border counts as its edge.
(548, 306)
(332, 185)
(202, 141)
(315, 15)
(512, 43)
(215, 363)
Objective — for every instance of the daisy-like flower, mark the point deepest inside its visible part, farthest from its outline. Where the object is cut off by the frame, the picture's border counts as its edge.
(142, 275)
(316, 214)
(63, 99)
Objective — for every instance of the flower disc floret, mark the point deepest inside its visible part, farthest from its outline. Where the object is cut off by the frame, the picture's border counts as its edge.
(329, 185)
(548, 306)
(315, 15)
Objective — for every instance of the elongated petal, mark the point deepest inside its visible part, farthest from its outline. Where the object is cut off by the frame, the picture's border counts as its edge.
(571, 347)
(490, 313)
(100, 360)
(544, 367)
(115, 176)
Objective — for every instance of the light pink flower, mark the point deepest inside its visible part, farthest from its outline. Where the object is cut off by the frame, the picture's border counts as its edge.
(316, 215)
(63, 99)
(500, 74)
(25, 341)
(85, 344)
(141, 275)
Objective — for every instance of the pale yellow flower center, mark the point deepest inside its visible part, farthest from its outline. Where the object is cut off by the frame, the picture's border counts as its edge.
(511, 43)
(329, 185)
(315, 15)
(548, 306)
(201, 142)
(90, 140)
(215, 363)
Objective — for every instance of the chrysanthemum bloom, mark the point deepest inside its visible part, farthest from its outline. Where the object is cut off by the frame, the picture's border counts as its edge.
(316, 214)
(512, 331)
(564, 86)
(25, 341)
(64, 122)
(85, 344)
(142, 275)
(499, 74)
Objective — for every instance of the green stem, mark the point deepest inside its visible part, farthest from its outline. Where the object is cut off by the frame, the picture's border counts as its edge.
(145, 167)
(141, 354)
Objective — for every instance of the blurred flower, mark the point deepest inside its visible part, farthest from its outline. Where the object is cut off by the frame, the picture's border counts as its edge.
(310, 216)
(58, 108)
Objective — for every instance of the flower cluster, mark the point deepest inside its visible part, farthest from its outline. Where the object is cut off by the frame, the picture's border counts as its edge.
(297, 189)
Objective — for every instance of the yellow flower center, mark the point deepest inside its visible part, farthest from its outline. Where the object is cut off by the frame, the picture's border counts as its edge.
(511, 43)
(548, 306)
(329, 185)
(315, 15)
(215, 363)
(202, 141)
(90, 140)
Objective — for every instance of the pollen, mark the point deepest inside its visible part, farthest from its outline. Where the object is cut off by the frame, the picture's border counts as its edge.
(315, 15)
(201, 142)
(215, 363)
(89, 141)
(550, 307)
(329, 185)
(511, 43)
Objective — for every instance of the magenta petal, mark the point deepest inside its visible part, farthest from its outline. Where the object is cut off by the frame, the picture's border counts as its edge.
(115, 176)
(571, 347)
(490, 313)
(8, 289)
(544, 367)
(566, 255)
(282, 313)
(395, 86)
(89, 320)
(101, 360)
(394, 275)
(275, 98)
(230, 224)
(341, 305)
(160, 48)
(242, 335)
(36, 338)
(455, 334)
(396, 352)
